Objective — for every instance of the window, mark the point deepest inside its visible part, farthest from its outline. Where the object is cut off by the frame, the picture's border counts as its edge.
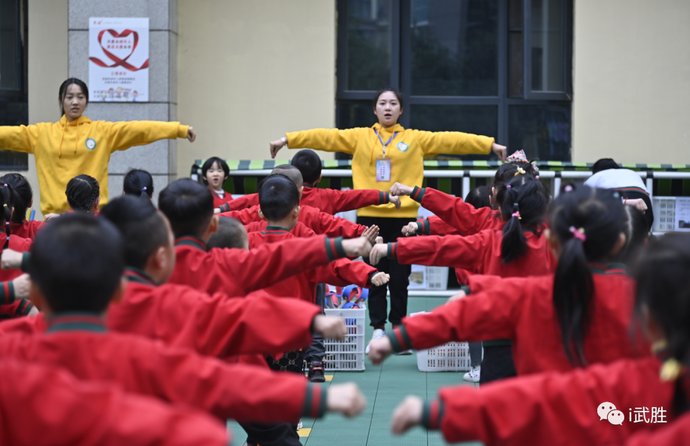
(13, 75)
(495, 67)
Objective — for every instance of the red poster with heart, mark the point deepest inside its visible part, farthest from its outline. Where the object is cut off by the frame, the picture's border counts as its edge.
(118, 59)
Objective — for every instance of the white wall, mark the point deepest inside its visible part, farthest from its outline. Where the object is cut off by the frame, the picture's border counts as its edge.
(632, 81)
(248, 71)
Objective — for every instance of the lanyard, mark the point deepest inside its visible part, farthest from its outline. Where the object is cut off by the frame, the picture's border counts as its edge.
(385, 144)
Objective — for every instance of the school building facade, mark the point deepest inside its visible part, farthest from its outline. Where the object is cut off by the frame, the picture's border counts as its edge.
(563, 79)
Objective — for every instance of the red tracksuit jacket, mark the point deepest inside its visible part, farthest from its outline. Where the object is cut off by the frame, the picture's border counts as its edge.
(553, 408)
(341, 272)
(47, 406)
(521, 309)
(210, 325)
(218, 200)
(479, 253)
(17, 244)
(236, 272)
(676, 433)
(26, 229)
(453, 214)
(330, 201)
(80, 344)
(317, 221)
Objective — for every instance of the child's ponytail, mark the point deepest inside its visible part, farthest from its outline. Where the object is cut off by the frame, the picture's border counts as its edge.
(587, 224)
(574, 286)
(524, 202)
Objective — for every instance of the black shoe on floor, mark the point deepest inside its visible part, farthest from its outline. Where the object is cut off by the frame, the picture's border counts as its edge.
(315, 373)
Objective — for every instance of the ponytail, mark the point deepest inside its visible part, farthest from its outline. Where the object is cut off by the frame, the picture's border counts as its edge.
(573, 287)
(587, 223)
(524, 202)
(513, 245)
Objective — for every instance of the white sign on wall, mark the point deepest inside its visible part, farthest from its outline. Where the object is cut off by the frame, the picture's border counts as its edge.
(118, 59)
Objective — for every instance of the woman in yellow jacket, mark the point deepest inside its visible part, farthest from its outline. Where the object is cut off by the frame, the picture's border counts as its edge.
(381, 155)
(76, 145)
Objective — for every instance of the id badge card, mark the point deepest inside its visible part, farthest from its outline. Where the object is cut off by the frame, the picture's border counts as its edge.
(383, 170)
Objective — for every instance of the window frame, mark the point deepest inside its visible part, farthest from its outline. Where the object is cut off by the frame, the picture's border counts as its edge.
(401, 72)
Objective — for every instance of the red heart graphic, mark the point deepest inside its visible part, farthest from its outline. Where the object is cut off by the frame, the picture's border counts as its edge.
(119, 62)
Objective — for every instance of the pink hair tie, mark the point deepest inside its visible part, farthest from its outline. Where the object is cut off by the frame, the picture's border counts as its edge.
(578, 233)
(517, 214)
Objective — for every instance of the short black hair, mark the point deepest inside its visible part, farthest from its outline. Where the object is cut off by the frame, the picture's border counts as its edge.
(230, 234)
(209, 162)
(22, 195)
(278, 196)
(479, 197)
(309, 164)
(291, 172)
(188, 205)
(138, 182)
(82, 193)
(604, 164)
(77, 262)
(141, 226)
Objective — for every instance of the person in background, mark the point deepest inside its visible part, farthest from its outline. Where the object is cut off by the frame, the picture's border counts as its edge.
(607, 174)
(382, 155)
(214, 172)
(76, 145)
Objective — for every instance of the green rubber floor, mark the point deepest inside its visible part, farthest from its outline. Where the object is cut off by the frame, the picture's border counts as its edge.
(384, 386)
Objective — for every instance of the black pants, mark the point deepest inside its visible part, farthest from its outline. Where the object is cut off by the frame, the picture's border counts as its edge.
(497, 363)
(277, 434)
(400, 274)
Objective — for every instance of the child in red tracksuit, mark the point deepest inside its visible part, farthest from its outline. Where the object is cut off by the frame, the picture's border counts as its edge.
(91, 413)
(7, 240)
(22, 199)
(76, 266)
(332, 201)
(279, 200)
(577, 408)
(181, 316)
(189, 207)
(214, 172)
(519, 249)
(455, 216)
(313, 218)
(579, 316)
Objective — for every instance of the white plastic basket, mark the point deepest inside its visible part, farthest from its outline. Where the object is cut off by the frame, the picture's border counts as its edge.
(450, 357)
(347, 354)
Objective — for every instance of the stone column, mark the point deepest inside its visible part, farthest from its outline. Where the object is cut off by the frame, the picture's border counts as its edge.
(158, 158)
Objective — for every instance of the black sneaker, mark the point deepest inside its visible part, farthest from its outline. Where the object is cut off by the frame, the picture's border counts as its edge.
(315, 373)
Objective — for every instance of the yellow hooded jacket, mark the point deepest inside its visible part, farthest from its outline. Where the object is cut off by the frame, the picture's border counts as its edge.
(406, 152)
(66, 149)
